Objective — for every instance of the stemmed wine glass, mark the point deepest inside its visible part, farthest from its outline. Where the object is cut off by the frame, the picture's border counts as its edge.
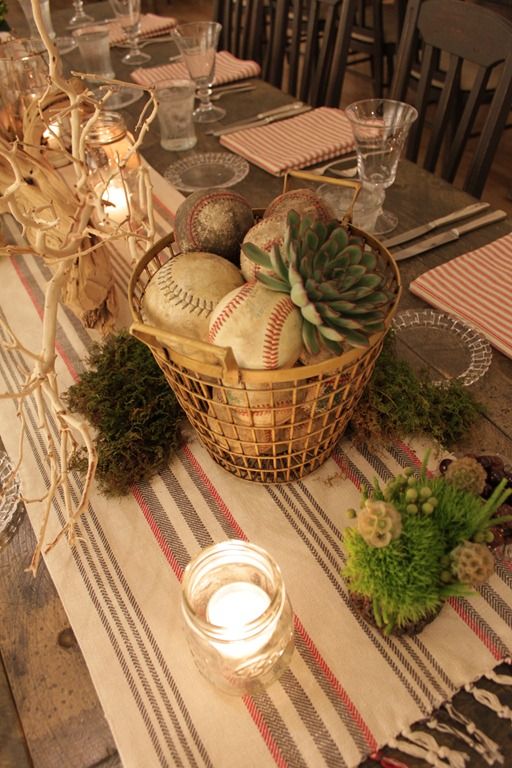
(79, 17)
(380, 128)
(197, 42)
(128, 13)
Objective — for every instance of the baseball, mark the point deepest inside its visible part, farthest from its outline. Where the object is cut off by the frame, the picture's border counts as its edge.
(260, 406)
(262, 327)
(214, 221)
(265, 234)
(250, 442)
(304, 201)
(181, 296)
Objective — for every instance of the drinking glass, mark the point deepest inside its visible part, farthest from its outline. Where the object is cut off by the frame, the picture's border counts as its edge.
(94, 45)
(128, 13)
(380, 128)
(79, 17)
(64, 44)
(197, 42)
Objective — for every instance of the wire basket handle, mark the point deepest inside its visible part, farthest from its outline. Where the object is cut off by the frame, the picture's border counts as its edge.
(353, 184)
(166, 340)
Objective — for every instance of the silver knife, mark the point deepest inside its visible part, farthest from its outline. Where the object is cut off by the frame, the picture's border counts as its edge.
(280, 113)
(446, 237)
(412, 234)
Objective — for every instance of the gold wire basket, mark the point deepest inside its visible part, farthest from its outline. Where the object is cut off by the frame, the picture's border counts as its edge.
(270, 426)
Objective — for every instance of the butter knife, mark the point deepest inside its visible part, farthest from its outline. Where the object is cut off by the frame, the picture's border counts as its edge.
(264, 118)
(448, 236)
(412, 234)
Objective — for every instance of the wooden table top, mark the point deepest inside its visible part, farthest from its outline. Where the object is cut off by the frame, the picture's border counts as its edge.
(53, 717)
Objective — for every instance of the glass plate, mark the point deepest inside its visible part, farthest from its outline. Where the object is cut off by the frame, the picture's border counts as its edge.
(443, 344)
(203, 171)
(122, 96)
(11, 508)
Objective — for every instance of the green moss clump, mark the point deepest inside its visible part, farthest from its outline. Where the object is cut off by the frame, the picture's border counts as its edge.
(125, 396)
(398, 403)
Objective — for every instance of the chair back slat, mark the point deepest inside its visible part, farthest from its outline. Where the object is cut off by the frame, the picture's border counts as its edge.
(447, 42)
(309, 48)
(243, 32)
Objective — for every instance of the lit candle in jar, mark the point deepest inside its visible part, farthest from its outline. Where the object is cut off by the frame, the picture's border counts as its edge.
(116, 203)
(238, 619)
(233, 607)
(51, 136)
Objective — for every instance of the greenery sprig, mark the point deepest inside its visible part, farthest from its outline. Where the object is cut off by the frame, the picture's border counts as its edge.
(399, 402)
(126, 397)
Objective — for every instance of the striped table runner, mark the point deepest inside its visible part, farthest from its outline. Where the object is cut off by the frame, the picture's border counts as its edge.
(477, 287)
(227, 69)
(347, 691)
(150, 26)
(294, 143)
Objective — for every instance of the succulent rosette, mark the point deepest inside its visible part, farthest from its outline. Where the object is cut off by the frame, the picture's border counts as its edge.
(418, 541)
(332, 276)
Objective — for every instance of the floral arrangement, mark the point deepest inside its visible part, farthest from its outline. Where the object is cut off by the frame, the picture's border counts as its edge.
(421, 539)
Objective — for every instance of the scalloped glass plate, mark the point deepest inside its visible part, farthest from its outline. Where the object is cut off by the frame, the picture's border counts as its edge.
(11, 508)
(446, 346)
(208, 170)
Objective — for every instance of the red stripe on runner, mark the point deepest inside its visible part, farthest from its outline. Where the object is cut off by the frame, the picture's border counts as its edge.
(215, 494)
(458, 607)
(65, 359)
(164, 546)
(263, 729)
(336, 685)
(345, 467)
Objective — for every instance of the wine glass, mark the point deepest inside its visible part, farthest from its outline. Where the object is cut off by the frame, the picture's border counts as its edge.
(128, 13)
(79, 17)
(380, 128)
(197, 42)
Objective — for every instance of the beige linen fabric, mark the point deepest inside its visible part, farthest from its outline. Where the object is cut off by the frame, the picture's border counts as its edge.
(347, 689)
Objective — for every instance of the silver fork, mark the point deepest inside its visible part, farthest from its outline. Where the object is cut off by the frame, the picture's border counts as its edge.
(245, 89)
(150, 41)
(348, 172)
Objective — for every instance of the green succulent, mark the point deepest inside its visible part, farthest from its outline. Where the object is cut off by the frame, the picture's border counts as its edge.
(331, 277)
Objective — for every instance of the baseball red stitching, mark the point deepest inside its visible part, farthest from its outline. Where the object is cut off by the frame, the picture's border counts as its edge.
(238, 299)
(273, 331)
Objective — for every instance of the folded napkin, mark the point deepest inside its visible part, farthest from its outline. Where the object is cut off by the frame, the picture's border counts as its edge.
(477, 288)
(150, 25)
(295, 142)
(227, 69)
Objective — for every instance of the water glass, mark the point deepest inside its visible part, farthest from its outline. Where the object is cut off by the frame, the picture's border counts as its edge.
(24, 78)
(94, 45)
(175, 108)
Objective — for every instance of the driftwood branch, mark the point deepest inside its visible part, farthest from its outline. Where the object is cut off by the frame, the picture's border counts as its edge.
(64, 224)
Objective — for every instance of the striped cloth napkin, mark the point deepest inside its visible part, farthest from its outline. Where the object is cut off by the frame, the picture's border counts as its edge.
(477, 287)
(227, 69)
(294, 143)
(150, 25)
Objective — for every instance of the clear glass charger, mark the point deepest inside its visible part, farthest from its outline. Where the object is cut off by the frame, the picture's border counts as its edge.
(208, 170)
(442, 344)
(11, 507)
(121, 97)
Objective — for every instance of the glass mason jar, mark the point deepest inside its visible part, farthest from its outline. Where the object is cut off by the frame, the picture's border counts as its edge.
(109, 144)
(238, 619)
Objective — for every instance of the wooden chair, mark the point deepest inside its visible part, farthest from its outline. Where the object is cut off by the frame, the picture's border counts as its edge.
(467, 36)
(309, 48)
(242, 27)
(375, 33)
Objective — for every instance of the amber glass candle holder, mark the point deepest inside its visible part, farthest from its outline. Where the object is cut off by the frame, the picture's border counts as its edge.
(238, 619)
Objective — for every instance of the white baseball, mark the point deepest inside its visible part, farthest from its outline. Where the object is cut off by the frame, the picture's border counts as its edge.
(262, 327)
(250, 442)
(260, 406)
(265, 234)
(181, 296)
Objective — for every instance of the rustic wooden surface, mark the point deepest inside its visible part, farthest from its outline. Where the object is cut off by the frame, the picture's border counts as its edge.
(50, 713)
